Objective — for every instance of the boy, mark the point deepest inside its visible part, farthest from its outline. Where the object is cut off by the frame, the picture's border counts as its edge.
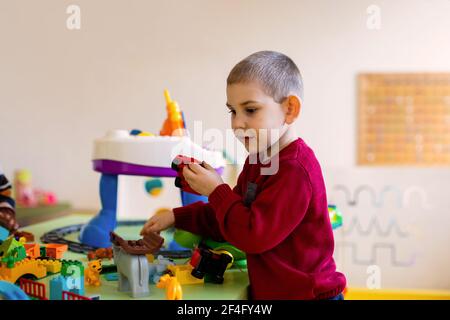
(279, 219)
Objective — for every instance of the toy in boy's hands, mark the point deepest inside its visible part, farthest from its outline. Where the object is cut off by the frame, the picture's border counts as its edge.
(178, 165)
(194, 176)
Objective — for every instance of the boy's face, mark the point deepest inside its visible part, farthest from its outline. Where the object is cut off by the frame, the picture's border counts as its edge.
(256, 119)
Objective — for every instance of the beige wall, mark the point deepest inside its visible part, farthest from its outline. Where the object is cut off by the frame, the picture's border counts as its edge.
(60, 89)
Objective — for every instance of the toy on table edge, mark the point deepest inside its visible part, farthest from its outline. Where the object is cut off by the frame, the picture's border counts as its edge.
(18, 258)
(172, 286)
(132, 264)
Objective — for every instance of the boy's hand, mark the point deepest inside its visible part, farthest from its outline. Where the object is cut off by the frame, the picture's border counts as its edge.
(160, 221)
(202, 179)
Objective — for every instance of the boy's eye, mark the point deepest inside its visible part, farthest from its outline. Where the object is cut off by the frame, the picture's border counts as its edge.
(232, 111)
(250, 110)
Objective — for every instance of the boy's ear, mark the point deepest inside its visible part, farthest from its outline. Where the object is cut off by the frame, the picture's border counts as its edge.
(292, 107)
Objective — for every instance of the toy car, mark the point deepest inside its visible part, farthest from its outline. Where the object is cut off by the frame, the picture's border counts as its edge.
(210, 262)
(178, 164)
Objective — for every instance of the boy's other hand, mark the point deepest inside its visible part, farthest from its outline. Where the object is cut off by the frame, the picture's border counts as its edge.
(161, 220)
(202, 178)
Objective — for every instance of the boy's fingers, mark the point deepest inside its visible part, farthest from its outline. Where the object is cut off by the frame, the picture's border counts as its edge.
(195, 167)
(188, 173)
(207, 166)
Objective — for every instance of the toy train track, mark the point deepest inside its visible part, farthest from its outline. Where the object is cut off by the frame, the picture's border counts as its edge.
(58, 236)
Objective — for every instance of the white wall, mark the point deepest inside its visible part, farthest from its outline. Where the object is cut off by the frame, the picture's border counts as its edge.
(60, 89)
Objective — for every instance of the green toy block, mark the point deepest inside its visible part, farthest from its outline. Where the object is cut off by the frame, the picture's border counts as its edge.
(72, 268)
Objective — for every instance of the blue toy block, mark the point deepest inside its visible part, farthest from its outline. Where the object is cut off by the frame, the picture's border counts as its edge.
(4, 233)
(112, 277)
(57, 286)
(9, 291)
(96, 232)
(61, 283)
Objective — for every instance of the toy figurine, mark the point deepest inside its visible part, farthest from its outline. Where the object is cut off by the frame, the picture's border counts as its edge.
(173, 287)
(92, 273)
(174, 124)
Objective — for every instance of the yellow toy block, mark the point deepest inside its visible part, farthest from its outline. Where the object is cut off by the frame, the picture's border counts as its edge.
(52, 266)
(183, 274)
(26, 266)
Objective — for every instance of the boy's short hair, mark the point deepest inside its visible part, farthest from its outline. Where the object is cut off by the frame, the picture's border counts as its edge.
(276, 72)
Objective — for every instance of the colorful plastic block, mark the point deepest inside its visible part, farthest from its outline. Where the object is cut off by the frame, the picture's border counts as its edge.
(26, 266)
(183, 274)
(32, 250)
(52, 266)
(55, 250)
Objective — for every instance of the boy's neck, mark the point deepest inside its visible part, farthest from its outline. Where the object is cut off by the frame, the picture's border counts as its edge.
(289, 136)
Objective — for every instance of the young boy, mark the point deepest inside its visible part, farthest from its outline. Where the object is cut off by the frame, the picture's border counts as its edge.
(279, 218)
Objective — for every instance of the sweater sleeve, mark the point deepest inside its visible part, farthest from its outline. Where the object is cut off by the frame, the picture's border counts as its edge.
(279, 207)
(200, 218)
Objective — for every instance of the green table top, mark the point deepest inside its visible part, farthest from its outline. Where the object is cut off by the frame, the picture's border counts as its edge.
(234, 286)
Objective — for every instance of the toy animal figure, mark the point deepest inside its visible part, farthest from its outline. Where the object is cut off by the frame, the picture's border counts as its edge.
(158, 267)
(132, 264)
(92, 273)
(101, 253)
(173, 287)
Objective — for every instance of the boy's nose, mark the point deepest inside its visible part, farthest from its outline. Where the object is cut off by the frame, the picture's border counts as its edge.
(238, 123)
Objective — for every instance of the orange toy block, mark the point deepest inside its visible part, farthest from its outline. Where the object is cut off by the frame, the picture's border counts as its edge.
(55, 250)
(32, 250)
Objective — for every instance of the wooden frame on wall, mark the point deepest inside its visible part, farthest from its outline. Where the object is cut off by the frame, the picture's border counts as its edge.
(403, 119)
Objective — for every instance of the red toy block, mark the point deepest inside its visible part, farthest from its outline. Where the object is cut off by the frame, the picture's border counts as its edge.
(178, 164)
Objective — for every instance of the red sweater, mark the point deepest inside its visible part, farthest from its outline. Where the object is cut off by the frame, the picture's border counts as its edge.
(285, 232)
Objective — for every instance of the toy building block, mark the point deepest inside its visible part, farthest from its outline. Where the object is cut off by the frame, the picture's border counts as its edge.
(52, 266)
(210, 262)
(183, 273)
(67, 295)
(178, 164)
(172, 286)
(109, 268)
(112, 277)
(33, 289)
(26, 266)
(72, 268)
(92, 273)
(55, 250)
(33, 250)
(57, 286)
